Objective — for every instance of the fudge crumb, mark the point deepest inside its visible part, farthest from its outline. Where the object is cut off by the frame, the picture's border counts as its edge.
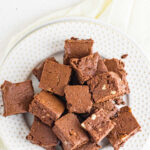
(124, 56)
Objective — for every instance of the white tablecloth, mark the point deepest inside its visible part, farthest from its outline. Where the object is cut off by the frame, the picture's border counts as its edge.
(20, 17)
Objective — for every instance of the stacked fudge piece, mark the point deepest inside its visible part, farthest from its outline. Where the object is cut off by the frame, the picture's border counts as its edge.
(76, 106)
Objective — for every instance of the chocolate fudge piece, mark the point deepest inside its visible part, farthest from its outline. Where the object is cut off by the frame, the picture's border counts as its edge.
(42, 135)
(69, 131)
(75, 48)
(88, 66)
(47, 107)
(17, 97)
(55, 77)
(126, 126)
(106, 86)
(108, 106)
(78, 98)
(89, 146)
(37, 71)
(117, 66)
(98, 125)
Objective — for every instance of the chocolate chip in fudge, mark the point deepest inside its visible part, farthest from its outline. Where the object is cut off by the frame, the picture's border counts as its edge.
(75, 48)
(106, 86)
(37, 71)
(42, 135)
(17, 97)
(126, 126)
(108, 106)
(70, 132)
(98, 125)
(47, 107)
(55, 77)
(78, 98)
(88, 66)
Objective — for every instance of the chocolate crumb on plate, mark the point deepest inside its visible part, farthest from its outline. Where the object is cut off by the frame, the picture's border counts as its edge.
(124, 56)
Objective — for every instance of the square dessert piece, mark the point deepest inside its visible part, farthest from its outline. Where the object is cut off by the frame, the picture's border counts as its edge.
(126, 126)
(98, 125)
(42, 135)
(108, 106)
(89, 146)
(88, 66)
(37, 71)
(70, 132)
(75, 48)
(117, 66)
(17, 97)
(47, 107)
(106, 86)
(78, 98)
(55, 77)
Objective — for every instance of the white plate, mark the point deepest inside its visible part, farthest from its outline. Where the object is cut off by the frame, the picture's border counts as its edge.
(49, 40)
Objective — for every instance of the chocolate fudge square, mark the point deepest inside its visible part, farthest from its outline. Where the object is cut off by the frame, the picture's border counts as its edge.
(88, 66)
(55, 77)
(117, 66)
(37, 71)
(17, 97)
(42, 135)
(70, 132)
(126, 126)
(78, 98)
(89, 146)
(106, 86)
(108, 106)
(98, 125)
(47, 107)
(75, 48)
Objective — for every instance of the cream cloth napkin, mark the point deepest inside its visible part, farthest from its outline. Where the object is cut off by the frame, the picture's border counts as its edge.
(130, 16)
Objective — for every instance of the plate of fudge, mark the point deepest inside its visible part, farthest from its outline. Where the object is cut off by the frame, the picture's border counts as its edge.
(75, 85)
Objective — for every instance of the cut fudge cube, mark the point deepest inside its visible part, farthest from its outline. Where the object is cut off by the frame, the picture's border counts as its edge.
(55, 77)
(75, 48)
(47, 107)
(78, 98)
(126, 126)
(70, 132)
(88, 66)
(106, 86)
(108, 106)
(117, 66)
(37, 71)
(17, 97)
(98, 125)
(42, 135)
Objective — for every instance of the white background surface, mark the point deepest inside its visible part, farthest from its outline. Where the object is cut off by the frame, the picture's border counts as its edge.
(15, 15)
